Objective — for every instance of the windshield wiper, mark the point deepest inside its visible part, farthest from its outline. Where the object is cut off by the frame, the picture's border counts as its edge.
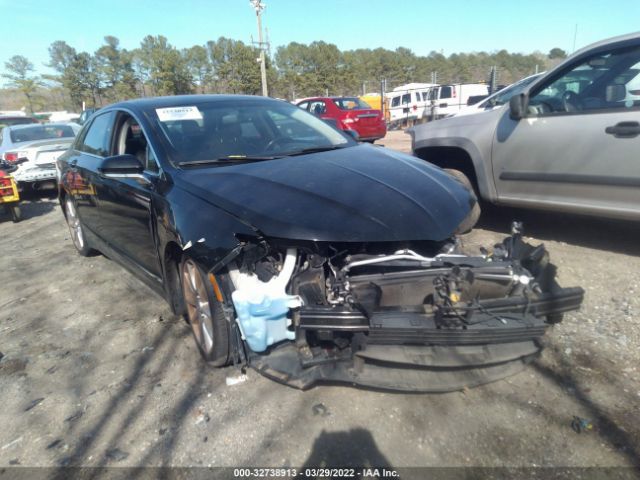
(314, 150)
(227, 159)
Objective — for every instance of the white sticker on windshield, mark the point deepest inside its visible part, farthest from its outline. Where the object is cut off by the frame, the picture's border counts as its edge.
(172, 114)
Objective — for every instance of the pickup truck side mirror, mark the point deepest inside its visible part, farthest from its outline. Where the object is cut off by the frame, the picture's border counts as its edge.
(518, 105)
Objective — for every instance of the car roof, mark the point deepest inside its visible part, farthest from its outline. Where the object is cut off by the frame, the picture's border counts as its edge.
(33, 125)
(180, 100)
(618, 39)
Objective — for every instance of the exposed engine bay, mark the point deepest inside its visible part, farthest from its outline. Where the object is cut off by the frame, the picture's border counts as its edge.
(419, 316)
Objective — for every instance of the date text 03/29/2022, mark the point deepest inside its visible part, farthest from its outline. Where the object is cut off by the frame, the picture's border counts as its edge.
(314, 473)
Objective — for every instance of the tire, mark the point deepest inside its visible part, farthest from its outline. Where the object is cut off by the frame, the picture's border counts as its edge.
(474, 215)
(204, 314)
(16, 214)
(76, 229)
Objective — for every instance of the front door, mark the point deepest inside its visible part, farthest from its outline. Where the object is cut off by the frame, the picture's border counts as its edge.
(578, 145)
(126, 202)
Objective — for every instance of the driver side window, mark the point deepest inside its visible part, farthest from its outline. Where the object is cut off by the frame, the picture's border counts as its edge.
(131, 140)
(601, 82)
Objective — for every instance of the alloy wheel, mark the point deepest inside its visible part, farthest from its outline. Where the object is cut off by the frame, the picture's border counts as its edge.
(75, 227)
(198, 307)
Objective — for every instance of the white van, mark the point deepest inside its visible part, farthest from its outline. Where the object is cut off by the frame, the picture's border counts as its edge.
(449, 99)
(408, 102)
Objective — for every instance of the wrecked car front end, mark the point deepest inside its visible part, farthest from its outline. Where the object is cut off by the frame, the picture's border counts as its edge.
(410, 316)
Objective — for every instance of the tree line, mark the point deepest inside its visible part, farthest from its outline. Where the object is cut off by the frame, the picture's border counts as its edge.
(156, 67)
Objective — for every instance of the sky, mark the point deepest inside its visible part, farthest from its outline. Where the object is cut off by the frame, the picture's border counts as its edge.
(30, 26)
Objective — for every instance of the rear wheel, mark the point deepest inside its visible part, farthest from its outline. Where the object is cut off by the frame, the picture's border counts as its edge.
(76, 229)
(205, 315)
(472, 218)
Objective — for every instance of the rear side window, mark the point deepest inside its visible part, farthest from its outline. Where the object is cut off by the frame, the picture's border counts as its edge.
(395, 102)
(351, 103)
(445, 92)
(97, 140)
(406, 98)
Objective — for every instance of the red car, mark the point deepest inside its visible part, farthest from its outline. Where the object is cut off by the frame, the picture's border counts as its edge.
(349, 113)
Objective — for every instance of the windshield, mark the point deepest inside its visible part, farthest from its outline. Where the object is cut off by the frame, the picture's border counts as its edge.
(243, 129)
(41, 132)
(351, 103)
(504, 95)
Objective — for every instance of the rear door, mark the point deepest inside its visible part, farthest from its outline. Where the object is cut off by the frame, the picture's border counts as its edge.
(578, 146)
(82, 178)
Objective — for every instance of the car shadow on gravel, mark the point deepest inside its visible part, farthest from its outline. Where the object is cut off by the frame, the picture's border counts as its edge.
(127, 405)
(598, 233)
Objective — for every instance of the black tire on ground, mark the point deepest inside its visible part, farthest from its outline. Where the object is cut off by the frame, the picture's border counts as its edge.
(474, 215)
(16, 214)
(204, 313)
(76, 229)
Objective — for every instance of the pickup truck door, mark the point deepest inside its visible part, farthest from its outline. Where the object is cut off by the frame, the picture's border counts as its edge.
(577, 148)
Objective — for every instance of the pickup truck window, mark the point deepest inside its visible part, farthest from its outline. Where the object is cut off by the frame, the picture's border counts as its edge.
(598, 83)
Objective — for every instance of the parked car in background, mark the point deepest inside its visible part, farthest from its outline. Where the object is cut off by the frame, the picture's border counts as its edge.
(34, 150)
(291, 247)
(349, 114)
(9, 120)
(499, 98)
(409, 102)
(450, 99)
(568, 142)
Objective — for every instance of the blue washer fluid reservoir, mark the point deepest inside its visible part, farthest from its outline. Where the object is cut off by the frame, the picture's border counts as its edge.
(265, 322)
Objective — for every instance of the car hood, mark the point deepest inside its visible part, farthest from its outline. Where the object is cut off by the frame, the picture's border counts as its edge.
(361, 193)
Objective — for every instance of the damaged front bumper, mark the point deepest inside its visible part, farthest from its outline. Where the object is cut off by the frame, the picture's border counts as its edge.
(401, 321)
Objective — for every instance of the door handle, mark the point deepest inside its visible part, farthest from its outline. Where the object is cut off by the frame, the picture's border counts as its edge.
(624, 130)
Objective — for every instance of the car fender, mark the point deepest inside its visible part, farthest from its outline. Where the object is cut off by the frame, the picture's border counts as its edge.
(204, 231)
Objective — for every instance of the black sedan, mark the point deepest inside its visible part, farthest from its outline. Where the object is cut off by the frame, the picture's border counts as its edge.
(292, 248)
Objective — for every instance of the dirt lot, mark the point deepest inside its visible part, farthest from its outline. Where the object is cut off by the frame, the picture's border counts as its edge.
(96, 371)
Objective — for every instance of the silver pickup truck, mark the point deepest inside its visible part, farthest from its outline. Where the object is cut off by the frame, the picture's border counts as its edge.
(569, 142)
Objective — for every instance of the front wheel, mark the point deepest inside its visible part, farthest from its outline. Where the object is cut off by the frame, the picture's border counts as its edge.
(205, 315)
(474, 215)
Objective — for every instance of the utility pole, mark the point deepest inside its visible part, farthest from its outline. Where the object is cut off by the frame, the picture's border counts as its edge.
(259, 7)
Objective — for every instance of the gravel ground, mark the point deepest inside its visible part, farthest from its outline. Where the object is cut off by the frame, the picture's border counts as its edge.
(97, 372)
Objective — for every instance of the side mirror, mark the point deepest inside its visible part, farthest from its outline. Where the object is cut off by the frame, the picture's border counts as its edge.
(518, 105)
(121, 165)
(353, 134)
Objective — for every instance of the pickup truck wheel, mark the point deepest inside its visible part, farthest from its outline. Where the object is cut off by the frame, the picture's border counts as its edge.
(205, 315)
(474, 215)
